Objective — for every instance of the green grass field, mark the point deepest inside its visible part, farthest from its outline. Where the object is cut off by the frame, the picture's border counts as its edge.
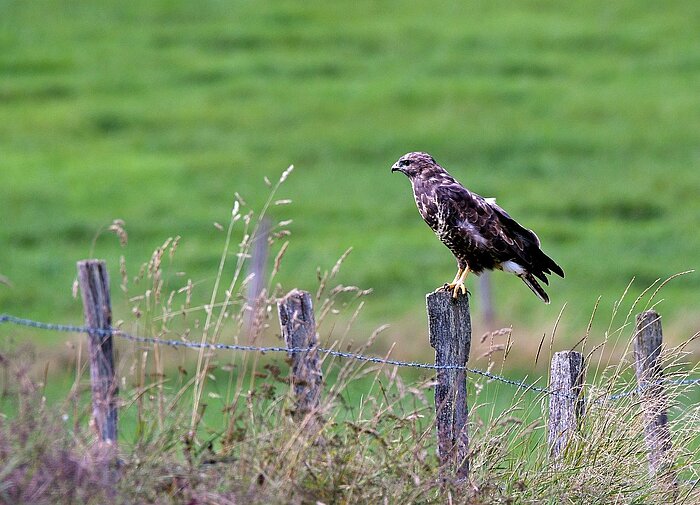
(582, 119)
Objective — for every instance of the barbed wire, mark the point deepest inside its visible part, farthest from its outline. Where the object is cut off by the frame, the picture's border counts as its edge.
(5, 318)
(521, 384)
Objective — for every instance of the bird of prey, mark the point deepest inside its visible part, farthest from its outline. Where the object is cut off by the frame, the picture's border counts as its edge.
(480, 234)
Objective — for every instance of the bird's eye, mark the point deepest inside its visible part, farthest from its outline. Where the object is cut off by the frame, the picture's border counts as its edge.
(404, 163)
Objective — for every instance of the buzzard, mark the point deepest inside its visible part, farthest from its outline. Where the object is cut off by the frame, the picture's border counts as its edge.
(480, 234)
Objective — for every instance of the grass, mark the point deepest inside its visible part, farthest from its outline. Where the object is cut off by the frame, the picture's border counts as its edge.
(372, 439)
(581, 119)
(225, 428)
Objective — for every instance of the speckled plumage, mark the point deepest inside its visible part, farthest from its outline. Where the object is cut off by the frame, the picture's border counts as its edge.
(480, 234)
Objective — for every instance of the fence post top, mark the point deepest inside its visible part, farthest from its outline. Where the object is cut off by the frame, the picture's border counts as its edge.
(90, 260)
(648, 315)
(294, 293)
(446, 296)
(567, 353)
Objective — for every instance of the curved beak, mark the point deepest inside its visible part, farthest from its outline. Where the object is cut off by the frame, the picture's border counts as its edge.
(395, 167)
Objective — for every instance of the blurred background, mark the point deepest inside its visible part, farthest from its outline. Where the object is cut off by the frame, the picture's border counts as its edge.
(582, 119)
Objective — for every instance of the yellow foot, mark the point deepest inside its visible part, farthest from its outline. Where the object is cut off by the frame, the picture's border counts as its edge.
(458, 284)
(456, 288)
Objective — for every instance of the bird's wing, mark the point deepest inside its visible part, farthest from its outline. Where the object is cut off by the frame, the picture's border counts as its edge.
(486, 222)
(526, 244)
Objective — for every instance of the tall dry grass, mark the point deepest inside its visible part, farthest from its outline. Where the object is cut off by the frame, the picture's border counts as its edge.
(217, 427)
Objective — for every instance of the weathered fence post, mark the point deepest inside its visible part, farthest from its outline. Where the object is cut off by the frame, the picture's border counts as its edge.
(566, 404)
(298, 325)
(450, 330)
(647, 351)
(256, 268)
(97, 308)
(486, 298)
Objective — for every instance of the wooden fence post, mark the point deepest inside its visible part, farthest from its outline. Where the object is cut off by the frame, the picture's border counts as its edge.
(97, 309)
(256, 267)
(298, 325)
(647, 349)
(486, 298)
(566, 404)
(450, 329)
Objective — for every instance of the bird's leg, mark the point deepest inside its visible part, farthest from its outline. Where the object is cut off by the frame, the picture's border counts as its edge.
(454, 281)
(459, 285)
(448, 287)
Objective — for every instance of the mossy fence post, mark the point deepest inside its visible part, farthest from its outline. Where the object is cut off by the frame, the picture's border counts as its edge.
(97, 309)
(650, 377)
(450, 331)
(296, 314)
(566, 403)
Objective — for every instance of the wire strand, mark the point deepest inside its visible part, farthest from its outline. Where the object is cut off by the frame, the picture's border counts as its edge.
(6, 318)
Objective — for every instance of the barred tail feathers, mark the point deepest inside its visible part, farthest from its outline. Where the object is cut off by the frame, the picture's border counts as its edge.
(532, 283)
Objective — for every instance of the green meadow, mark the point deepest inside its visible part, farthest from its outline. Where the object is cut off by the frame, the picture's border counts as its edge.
(583, 120)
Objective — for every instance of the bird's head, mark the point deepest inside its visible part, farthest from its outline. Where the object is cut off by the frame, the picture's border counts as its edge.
(413, 164)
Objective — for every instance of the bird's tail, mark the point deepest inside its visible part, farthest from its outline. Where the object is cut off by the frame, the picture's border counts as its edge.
(532, 283)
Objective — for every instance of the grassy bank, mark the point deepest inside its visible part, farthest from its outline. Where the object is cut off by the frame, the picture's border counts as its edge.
(223, 427)
(372, 438)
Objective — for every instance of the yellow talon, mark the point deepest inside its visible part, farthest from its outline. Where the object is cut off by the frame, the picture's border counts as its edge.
(459, 287)
(458, 284)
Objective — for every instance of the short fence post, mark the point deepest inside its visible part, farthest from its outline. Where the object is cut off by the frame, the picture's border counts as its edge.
(647, 351)
(97, 309)
(566, 404)
(298, 325)
(449, 327)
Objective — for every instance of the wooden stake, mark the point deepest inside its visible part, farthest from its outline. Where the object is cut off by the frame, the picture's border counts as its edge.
(298, 325)
(252, 322)
(566, 405)
(94, 288)
(486, 298)
(647, 350)
(449, 328)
